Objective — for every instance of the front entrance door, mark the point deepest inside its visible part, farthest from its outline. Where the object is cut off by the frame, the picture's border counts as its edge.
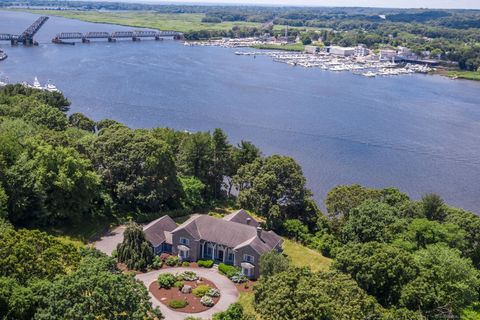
(220, 255)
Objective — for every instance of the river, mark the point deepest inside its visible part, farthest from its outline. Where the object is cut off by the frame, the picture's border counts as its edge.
(420, 133)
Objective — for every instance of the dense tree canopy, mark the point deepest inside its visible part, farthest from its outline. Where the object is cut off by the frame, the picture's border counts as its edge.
(302, 294)
(379, 268)
(445, 284)
(274, 187)
(93, 292)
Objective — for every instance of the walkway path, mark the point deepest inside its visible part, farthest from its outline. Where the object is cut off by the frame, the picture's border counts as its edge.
(229, 293)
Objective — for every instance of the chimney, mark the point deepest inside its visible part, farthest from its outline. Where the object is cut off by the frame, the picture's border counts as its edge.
(259, 232)
(249, 220)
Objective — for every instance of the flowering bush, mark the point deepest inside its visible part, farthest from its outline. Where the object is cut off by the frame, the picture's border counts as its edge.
(239, 278)
(188, 276)
(214, 293)
(207, 301)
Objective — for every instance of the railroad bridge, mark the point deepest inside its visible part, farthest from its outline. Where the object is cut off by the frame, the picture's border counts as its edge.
(26, 37)
(112, 37)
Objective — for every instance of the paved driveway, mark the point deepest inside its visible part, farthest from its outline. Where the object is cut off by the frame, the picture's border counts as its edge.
(229, 293)
(109, 241)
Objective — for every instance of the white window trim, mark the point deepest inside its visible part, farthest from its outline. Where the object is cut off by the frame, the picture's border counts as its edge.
(186, 242)
(246, 259)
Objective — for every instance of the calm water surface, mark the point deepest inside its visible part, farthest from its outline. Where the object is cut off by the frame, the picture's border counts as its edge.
(419, 133)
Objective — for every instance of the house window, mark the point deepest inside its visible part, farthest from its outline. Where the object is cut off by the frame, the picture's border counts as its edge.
(184, 241)
(230, 257)
(248, 258)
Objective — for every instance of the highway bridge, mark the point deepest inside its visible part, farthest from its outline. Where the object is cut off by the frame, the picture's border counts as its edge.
(111, 37)
(26, 37)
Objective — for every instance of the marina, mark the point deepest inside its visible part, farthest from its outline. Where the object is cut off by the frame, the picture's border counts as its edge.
(356, 65)
(49, 86)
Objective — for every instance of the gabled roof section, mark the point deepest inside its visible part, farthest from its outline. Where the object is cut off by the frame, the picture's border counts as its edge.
(230, 234)
(157, 231)
(242, 216)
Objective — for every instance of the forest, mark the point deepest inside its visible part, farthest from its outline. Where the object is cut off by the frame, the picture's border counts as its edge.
(393, 257)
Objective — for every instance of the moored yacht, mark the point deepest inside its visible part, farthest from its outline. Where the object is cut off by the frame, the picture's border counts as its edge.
(36, 84)
(51, 87)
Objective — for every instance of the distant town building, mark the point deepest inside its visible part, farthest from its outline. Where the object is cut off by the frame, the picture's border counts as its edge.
(387, 54)
(361, 50)
(341, 51)
(312, 49)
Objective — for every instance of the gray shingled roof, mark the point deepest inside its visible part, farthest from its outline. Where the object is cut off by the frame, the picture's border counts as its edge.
(242, 216)
(228, 233)
(158, 231)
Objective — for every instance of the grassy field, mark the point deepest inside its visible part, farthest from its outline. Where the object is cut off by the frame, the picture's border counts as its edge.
(468, 75)
(304, 257)
(182, 22)
(301, 257)
(288, 47)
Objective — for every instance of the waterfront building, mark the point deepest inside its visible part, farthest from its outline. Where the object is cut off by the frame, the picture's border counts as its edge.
(341, 51)
(312, 49)
(387, 54)
(361, 50)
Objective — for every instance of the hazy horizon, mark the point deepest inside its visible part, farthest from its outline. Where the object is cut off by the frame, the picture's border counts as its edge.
(433, 4)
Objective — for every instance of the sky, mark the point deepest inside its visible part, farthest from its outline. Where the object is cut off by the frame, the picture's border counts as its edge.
(464, 4)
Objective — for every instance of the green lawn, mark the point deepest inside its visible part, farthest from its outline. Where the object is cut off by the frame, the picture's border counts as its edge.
(304, 257)
(246, 300)
(301, 257)
(288, 47)
(182, 22)
(468, 75)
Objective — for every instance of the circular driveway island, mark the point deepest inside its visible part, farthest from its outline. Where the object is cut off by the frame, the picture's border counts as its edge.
(228, 291)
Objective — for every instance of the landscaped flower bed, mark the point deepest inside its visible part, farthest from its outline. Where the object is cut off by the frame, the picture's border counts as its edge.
(168, 290)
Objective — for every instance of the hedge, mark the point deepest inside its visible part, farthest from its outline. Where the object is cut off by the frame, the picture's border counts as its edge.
(205, 263)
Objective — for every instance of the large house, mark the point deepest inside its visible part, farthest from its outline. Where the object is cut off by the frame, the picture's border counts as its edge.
(237, 239)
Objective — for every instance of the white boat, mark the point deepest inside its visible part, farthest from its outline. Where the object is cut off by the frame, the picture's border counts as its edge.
(36, 84)
(369, 74)
(51, 87)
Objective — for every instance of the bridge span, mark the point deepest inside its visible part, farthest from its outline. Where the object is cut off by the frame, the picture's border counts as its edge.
(112, 37)
(26, 37)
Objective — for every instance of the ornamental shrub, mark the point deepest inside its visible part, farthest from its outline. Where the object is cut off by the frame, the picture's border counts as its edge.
(227, 270)
(214, 293)
(185, 264)
(207, 301)
(157, 263)
(177, 304)
(172, 261)
(166, 280)
(205, 263)
(178, 284)
(164, 256)
(201, 290)
(188, 276)
(239, 278)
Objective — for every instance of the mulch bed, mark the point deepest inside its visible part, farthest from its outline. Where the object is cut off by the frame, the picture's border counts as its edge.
(194, 305)
(241, 286)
